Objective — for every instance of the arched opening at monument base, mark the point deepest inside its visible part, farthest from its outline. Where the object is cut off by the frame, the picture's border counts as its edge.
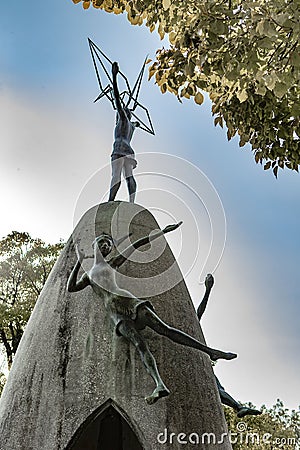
(105, 429)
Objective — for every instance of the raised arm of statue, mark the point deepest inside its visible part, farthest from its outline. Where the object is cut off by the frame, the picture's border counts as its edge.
(120, 259)
(209, 282)
(115, 70)
(74, 285)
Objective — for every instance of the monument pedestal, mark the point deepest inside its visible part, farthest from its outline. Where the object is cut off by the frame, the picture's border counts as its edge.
(76, 385)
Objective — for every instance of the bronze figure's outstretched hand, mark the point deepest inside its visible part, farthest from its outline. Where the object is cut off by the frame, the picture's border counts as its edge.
(80, 254)
(115, 68)
(172, 227)
(226, 398)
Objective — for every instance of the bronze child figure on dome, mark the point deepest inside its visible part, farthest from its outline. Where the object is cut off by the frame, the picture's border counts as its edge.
(122, 157)
(129, 314)
(128, 108)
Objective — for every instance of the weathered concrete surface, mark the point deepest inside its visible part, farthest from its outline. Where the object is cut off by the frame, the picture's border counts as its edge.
(69, 362)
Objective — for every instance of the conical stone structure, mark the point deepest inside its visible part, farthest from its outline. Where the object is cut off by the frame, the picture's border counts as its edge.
(75, 385)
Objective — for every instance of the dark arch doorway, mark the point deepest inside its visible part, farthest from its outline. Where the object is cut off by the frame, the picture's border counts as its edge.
(107, 430)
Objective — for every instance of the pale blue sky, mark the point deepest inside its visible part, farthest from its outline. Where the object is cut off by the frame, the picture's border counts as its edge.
(54, 139)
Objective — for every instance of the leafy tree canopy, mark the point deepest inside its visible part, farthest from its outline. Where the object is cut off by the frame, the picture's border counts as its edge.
(277, 428)
(243, 53)
(24, 267)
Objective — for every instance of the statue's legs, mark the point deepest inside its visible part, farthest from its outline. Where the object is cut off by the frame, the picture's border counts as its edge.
(227, 400)
(128, 330)
(148, 317)
(128, 175)
(116, 168)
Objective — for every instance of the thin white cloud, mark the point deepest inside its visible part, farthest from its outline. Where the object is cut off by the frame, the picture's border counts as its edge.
(46, 156)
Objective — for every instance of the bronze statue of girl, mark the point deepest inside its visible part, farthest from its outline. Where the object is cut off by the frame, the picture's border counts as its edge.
(122, 157)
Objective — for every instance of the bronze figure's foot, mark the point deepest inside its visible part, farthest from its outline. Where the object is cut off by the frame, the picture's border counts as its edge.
(248, 412)
(218, 354)
(159, 392)
(209, 281)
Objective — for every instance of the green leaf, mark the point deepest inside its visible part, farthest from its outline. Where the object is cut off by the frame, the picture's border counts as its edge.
(242, 95)
(295, 58)
(261, 89)
(271, 81)
(219, 121)
(199, 98)
(260, 28)
(166, 4)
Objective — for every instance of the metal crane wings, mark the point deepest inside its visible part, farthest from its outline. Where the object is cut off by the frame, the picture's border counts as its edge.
(129, 97)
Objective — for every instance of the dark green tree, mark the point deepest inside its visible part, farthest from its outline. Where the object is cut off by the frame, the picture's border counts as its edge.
(25, 264)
